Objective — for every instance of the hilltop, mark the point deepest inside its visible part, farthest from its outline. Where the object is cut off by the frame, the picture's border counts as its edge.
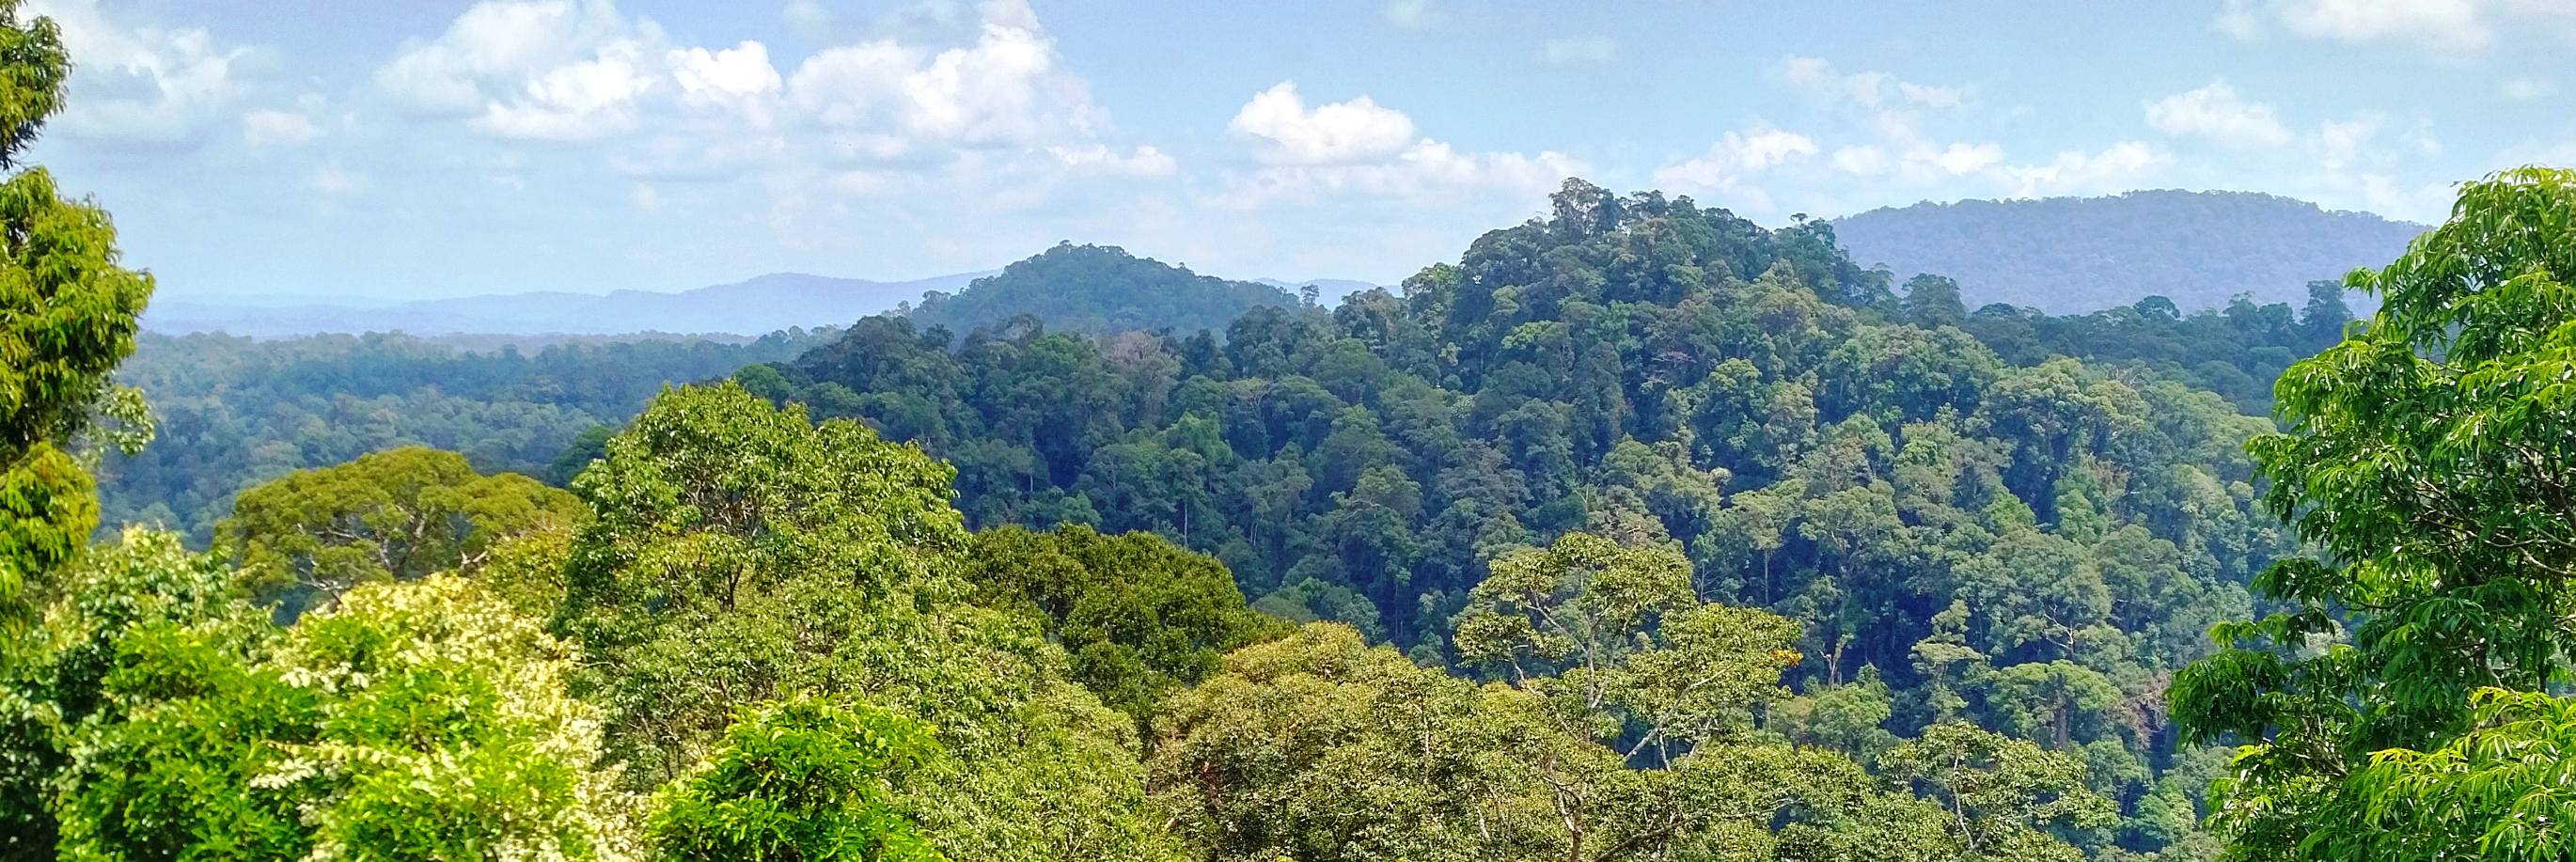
(1101, 290)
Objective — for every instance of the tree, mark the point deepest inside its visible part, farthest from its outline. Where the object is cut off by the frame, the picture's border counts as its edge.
(1141, 618)
(2428, 458)
(740, 553)
(801, 779)
(2002, 794)
(1319, 748)
(67, 316)
(55, 680)
(399, 514)
(421, 720)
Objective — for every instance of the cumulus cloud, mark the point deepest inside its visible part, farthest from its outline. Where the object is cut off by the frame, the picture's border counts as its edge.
(551, 69)
(2217, 113)
(1006, 89)
(2075, 172)
(1579, 51)
(1737, 156)
(142, 83)
(1360, 146)
(1348, 132)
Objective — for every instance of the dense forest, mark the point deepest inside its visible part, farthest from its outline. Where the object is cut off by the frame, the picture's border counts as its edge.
(1640, 533)
(2073, 255)
(234, 412)
(2034, 546)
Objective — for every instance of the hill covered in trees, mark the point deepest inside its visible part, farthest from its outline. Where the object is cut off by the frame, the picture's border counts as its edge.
(2031, 545)
(2076, 255)
(1097, 289)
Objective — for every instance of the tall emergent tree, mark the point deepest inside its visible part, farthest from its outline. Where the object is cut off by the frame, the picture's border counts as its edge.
(398, 514)
(67, 315)
(2433, 457)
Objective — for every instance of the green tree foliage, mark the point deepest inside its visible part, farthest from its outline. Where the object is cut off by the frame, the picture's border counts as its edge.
(1318, 747)
(1097, 289)
(237, 412)
(801, 779)
(1997, 541)
(55, 681)
(424, 720)
(2001, 794)
(740, 553)
(2428, 459)
(393, 515)
(1142, 618)
(2236, 350)
(67, 316)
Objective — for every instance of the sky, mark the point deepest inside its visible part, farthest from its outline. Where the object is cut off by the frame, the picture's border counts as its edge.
(427, 148)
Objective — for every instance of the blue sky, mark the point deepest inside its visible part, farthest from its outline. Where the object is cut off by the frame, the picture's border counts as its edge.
(413, 149)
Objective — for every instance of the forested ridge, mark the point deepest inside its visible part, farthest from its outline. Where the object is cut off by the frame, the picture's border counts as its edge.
(1641, 533)
(2033, 546)
(2071, 255)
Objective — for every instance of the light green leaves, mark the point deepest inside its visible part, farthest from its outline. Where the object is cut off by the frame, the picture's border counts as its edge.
(800, 780)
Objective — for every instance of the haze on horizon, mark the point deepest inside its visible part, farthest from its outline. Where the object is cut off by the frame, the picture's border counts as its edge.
(422, 150)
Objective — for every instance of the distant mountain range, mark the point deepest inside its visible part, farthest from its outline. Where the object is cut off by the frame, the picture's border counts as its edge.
(754, 307)
(2074, 255)
(2061, 255)
(766, 304)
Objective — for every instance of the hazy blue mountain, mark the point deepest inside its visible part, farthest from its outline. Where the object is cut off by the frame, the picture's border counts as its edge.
(2071, 255)
(1098, 289)
(765, 304)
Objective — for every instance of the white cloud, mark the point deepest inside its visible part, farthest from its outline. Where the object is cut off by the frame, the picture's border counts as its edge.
(1735, 159)
(742, 70)
(1414, 14)
(2450, 26)
(278, 127)
(2114, 168)
(551, 69)
(1360, 146)
(1142, 162)
(1338, 133)
(1006, 89)
(1580, 51)
(1818, 78)
(2217, 113)
(141, 83)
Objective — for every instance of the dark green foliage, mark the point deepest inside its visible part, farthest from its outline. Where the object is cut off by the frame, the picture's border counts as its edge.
(2071, 255)
(2236, 351)
(802, 780)
(1096, 289)
(2030, 547)
(240, 412)
(1141, 617)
